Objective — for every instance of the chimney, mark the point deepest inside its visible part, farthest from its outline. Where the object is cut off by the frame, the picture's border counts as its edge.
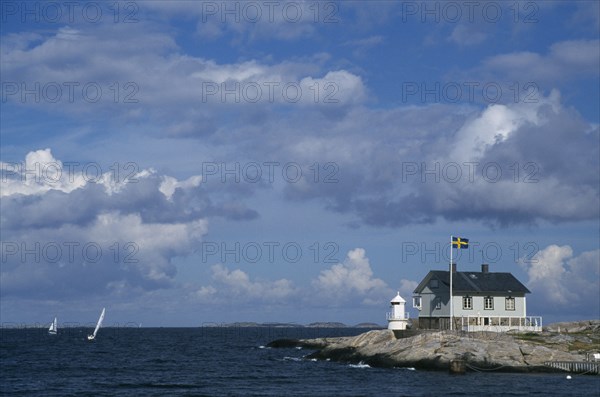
(485, 268)
(454, 268)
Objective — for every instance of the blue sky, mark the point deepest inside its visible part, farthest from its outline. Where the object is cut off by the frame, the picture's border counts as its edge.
(190, 162)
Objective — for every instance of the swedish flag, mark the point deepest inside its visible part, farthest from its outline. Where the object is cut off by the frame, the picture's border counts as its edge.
(460, 243)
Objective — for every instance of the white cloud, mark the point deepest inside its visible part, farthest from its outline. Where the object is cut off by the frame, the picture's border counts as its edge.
(503, 137)
(68, 235)
(406, 288)
(517, 163)
(151, 238)
(231, 286)
(495, 124)
(465, 35)
(190, 92)
(346, 283)
(246, 71)
(112, 254)
(336, 87)
(40, 173)
(351, 280)
(565, 281)
(565, 60)
(362, 46)
(206, 292)
(170, 184)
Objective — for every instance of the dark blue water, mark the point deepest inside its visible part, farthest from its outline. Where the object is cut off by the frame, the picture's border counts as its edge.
(230, 361)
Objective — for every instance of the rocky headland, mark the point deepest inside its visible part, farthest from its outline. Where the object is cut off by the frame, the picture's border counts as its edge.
(435, 350)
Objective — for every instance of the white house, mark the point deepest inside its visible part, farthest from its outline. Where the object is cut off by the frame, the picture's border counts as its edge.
(481, 301)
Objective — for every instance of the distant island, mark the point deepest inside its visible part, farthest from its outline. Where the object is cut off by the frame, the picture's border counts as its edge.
(249, 324)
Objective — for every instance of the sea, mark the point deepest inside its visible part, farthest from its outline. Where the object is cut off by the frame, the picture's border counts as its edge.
(231, 361)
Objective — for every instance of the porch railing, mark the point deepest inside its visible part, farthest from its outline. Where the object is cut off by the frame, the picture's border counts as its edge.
(501, 323)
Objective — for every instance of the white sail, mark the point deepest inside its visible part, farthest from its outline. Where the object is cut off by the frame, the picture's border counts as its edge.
(98, 325)
(53, 327)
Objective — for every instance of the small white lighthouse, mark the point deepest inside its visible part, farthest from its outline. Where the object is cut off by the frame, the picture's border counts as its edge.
(397, 318)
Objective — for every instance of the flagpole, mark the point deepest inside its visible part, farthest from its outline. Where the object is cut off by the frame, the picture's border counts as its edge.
(451, 307)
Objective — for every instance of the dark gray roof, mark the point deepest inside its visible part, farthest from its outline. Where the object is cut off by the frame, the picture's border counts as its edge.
(476, 282)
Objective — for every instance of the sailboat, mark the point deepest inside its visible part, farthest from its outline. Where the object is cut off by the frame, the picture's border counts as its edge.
(53, 327)
(98, 325)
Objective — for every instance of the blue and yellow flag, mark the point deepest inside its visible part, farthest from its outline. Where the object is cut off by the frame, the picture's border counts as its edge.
(460, 243)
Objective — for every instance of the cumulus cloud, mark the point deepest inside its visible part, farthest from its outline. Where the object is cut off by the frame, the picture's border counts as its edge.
(565, 60)
(39, 173)
(421, 164)
(235, 286)
(35, 197)
(170, 184)
(192, 95)
(114, 254)
(370, 180)
(495, 124)
(65, 233)
(566, 281)
(350, 281)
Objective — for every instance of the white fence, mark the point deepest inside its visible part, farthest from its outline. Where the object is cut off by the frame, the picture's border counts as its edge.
(501, 323)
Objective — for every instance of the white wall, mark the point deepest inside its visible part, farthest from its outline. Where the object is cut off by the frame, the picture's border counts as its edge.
(499, 307)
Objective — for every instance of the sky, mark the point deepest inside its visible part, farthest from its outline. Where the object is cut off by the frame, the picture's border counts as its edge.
(185, 163)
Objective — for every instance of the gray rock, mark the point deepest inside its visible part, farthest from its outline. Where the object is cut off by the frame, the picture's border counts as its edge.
(435, 350)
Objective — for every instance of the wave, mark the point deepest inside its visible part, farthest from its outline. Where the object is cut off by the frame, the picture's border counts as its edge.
(359, 365)
(288, 358)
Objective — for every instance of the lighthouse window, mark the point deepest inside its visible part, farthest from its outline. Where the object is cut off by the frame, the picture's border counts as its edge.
(467, 303)
(488, 303)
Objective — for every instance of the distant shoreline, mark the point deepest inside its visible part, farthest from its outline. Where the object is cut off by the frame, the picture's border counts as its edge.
(294, 325)
(564, 327)
(71, 325)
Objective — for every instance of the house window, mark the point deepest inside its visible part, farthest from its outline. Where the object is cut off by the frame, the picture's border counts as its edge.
(510, 303)
(467, 303)
(433, 283)
(488, 303)
(438, 304)
(417, 302)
